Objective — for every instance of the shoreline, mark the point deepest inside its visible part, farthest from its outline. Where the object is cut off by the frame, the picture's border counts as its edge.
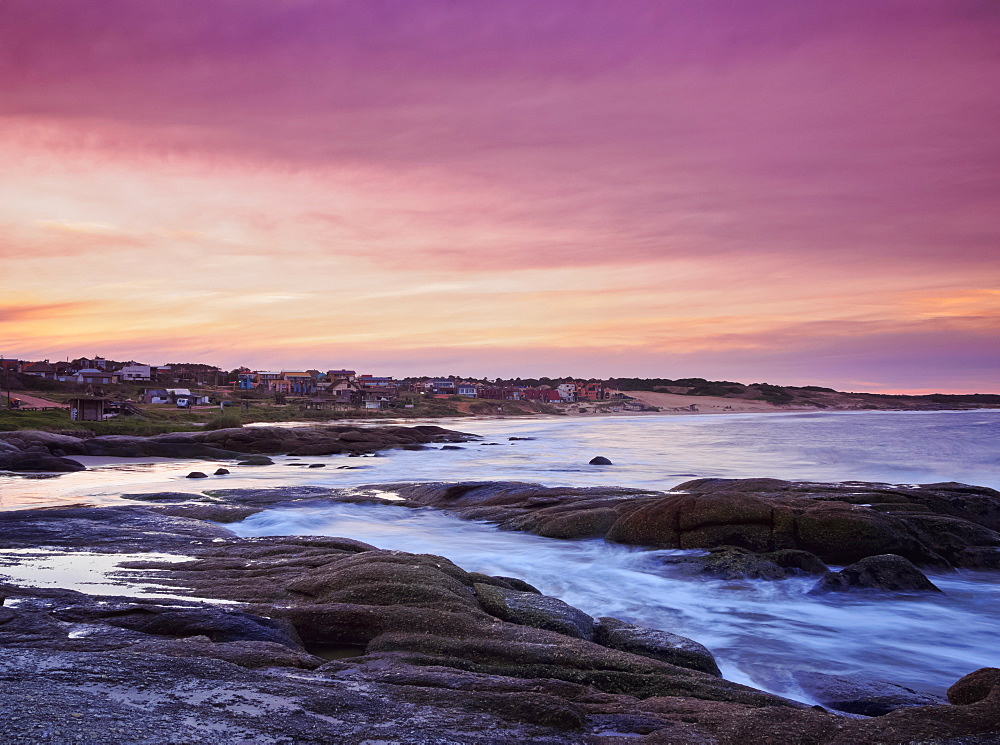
(206, 621)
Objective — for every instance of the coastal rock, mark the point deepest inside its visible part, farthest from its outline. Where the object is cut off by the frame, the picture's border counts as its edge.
(655, 644)
(37, 461)
(123, 528)
(830, 521)
(216, 624)
(27, 438)
(197, 475)
(890, 573)
(221, 471)
(222, 444)
(428, 664)
(255, 460)
(600, 460)
(974, 687)
(860, 695)
(163, 496)
(795, 561)
(531, 609)
(729, 562)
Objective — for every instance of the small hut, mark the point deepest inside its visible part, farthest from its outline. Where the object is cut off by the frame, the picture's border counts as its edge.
(88, 409)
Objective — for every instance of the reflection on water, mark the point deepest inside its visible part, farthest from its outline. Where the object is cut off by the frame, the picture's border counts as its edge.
(761, 632)
(83, 571)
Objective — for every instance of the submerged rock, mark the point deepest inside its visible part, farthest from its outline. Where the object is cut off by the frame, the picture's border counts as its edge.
(197, 475)
(600, 460)
(887, 572)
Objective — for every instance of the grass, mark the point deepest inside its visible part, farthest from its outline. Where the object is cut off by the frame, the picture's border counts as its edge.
(160, 418)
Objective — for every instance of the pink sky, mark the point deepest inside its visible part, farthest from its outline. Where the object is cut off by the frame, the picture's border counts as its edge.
(802, 193)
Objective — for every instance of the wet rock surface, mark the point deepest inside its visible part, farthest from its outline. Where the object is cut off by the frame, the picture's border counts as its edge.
(932, 524)
(656, 644)
(886, 572)
(861, 695)
(975, 686)
(234, 657)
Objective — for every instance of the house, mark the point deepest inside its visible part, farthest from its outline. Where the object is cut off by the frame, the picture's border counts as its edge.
(593, 391)
(280, 386)
(544, 395)
(155, 396)
(246, 381)
(444, 386)
(41, 369)
(266, 379)
(93, 376)
(299, 381)
(567, 392)
(341, 374)
(467, 389)
(375, 381)
(501, 393)
(10, 365)
(135, 372)
(378, 398)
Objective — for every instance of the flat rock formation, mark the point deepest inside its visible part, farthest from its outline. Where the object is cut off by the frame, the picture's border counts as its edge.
(313, 639)
(30, 450)
(929, 524)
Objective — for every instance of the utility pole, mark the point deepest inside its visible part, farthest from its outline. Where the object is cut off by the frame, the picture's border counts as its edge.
(6, 375)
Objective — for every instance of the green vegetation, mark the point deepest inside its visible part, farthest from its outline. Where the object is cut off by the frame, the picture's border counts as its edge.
(224, 421)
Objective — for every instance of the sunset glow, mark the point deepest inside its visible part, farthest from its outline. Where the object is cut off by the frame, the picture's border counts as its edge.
(793, 192)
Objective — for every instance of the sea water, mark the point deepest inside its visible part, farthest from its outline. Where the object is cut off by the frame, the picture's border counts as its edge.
(762, 633)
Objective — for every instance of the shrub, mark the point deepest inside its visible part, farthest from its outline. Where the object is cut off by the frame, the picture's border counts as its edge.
(223, 421)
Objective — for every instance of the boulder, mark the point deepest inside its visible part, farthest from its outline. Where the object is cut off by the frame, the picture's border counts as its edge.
(795, 561)
(600, 460)
(50, 441)
(531, 609)
(38, 461)
(729, 562)
(655, 644)
(197, 475)
(974, 687)
(888, 572)
(221, 471)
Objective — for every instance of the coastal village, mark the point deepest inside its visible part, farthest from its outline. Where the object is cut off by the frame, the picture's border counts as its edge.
(95, 388)
(127, 395)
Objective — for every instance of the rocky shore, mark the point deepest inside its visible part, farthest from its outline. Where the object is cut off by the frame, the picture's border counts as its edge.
(32, 450)
(310, 639)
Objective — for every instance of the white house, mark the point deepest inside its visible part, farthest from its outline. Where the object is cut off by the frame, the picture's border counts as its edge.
(567, 391)
(134, 372)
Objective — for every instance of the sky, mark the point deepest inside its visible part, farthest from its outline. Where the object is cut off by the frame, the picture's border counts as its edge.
(796, 193)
